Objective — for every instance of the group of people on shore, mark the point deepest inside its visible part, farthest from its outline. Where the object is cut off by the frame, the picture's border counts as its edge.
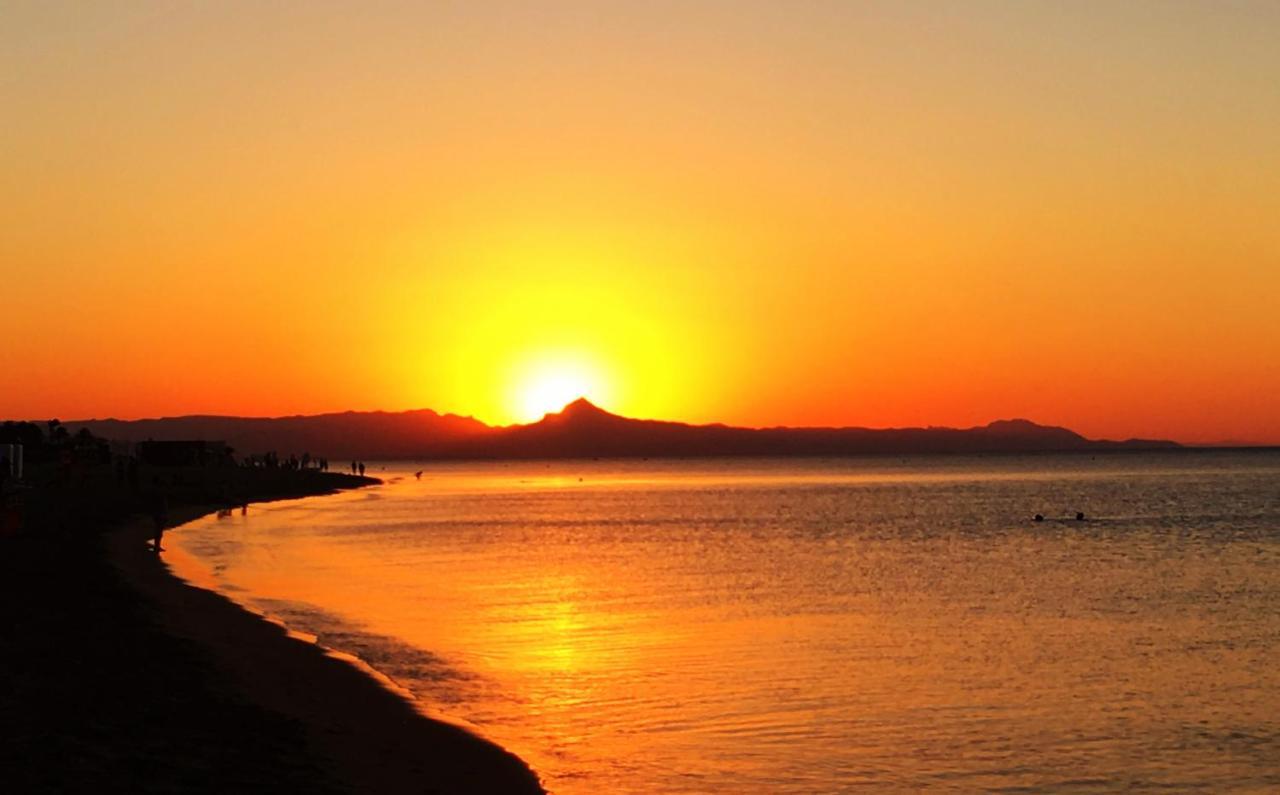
(272, 460)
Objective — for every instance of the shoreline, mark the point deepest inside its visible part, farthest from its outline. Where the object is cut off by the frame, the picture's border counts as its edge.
(363, 734)
(116, 674)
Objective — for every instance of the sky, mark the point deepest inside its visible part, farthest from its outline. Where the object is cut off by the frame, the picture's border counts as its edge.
(800, 213)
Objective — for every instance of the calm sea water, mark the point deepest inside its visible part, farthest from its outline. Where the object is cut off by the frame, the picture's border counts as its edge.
(807, 626)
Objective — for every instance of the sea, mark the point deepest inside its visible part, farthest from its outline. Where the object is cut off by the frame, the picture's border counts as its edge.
(804, 625)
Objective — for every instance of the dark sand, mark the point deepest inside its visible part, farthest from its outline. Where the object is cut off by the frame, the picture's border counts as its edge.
(116, 675)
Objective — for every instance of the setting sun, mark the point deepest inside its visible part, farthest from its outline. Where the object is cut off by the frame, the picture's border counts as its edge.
(547, 385)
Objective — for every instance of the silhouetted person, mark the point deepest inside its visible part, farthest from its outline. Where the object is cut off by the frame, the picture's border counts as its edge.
(361, 469)
(354, 466)
(160, 516)
(1079, 516)
(418, 474)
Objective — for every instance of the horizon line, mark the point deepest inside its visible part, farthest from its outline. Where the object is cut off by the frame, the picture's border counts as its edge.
(1220, 444)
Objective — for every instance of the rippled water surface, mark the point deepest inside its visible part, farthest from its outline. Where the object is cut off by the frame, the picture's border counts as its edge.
(807, 626)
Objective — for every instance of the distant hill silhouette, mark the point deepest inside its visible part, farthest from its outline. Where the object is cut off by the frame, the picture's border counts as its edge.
(352, 434)
(581, 430)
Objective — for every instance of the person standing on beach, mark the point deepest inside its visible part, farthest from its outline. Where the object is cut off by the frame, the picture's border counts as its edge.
(160, 516)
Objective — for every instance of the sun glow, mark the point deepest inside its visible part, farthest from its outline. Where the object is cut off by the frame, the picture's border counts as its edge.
(548, 385)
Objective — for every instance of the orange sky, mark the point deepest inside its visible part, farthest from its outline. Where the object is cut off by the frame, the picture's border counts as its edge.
(757, 213)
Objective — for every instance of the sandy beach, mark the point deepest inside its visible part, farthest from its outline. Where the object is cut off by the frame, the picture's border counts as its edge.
(117, 674)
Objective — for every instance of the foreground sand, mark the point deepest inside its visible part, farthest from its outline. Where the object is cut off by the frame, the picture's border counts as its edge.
(117, 676)
(370, 738)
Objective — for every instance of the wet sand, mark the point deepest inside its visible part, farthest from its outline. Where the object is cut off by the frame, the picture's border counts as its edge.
(117, 675)
(374, 740)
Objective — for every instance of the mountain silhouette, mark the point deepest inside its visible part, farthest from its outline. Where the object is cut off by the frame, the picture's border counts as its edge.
(353, 434)
(584, 430)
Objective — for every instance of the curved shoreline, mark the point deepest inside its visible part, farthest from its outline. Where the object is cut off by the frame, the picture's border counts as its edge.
(366, 736)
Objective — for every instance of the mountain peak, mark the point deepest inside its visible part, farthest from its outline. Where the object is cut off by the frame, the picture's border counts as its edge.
(1013, 424)
(581, 413)
(1032, 430)
(582, 408)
